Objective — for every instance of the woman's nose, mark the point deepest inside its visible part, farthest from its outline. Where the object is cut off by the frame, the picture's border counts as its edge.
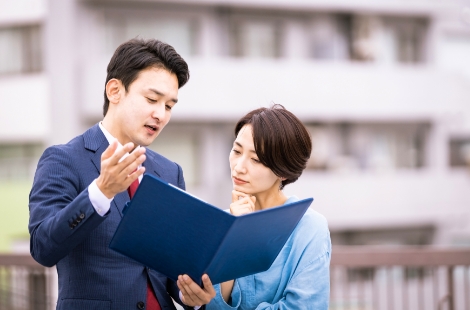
(240, 166)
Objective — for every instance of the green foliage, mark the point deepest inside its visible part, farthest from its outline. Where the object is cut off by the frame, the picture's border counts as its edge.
(14, 213)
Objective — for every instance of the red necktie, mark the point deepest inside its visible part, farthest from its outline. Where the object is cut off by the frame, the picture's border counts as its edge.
(152, 302)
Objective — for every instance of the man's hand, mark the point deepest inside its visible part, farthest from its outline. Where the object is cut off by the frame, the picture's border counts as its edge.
(192, 294)
(116, 175)
(242, 203)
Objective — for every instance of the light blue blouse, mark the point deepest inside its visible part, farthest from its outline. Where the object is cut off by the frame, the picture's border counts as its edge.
(299, 278)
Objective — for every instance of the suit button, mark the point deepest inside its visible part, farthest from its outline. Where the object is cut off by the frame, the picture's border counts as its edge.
(140, 305)
(82, 216)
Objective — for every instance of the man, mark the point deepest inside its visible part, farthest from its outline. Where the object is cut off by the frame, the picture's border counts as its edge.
(81, 187)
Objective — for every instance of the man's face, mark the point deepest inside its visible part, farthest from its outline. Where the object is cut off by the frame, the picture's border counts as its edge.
(143, 112)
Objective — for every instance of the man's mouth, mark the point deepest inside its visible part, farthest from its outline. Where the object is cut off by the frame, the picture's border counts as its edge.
(152, 127)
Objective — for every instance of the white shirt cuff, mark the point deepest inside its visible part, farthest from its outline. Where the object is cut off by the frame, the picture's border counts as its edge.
(100, 202)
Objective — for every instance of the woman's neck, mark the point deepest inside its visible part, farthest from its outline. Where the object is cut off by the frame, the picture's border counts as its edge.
(269, 199)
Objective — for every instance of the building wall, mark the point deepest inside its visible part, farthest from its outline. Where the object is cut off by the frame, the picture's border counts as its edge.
(383, 87)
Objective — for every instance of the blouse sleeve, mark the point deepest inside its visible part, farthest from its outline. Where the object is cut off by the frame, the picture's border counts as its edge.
(219, 303)
(309, 289)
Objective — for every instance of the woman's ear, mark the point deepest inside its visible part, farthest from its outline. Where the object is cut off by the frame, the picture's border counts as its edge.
(113, 90)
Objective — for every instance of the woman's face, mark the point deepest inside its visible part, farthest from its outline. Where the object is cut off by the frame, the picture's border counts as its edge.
(248, 174)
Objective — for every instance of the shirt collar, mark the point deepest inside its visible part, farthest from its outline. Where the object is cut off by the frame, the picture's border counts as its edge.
(108, 136)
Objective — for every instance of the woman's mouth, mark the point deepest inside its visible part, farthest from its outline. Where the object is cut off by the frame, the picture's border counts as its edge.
(239, 181)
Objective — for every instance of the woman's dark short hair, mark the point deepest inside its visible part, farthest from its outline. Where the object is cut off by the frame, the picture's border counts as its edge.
(282, 142)
(135, 55)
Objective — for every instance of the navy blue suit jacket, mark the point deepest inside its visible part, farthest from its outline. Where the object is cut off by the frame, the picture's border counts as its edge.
(91, 276)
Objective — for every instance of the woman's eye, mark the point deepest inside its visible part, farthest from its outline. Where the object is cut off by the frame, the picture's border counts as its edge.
(235, 151)
(256, 160)
(151, 100)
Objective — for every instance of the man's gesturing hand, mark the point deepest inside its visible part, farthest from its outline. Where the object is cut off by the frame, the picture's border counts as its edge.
(192, 294)
(116, 174)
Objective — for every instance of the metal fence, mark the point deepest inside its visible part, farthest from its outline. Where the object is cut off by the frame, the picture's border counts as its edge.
(402, 278)
(25, 285)
(362, 278)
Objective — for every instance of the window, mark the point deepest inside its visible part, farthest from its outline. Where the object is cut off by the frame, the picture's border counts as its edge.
(255, 38)
(181, 146)
(459, 152)
(388, 39)
(363, 146)
(21, 49)
(328, 37)
(179, 31)
(18, 161)
(407, 235)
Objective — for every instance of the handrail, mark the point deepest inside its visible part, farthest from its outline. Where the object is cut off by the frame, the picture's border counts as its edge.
(348, 256)
(375, 256)
(23, 260)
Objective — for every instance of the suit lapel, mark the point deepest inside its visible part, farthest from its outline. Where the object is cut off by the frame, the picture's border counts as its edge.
(96, 142)
(153, 167)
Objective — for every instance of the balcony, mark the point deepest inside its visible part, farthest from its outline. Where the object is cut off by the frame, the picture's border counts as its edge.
(361, 278)
(222, 90)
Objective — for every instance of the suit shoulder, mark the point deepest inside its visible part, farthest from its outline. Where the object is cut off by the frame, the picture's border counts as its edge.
(162, 160)
(68, 149)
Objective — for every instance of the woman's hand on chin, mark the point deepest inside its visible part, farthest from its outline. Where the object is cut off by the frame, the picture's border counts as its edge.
(242, 203)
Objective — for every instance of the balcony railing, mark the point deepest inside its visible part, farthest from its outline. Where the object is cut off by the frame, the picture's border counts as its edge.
(402, 278)
(362, 278)
(24, 284)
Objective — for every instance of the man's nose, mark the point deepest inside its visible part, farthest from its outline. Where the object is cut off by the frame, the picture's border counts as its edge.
(158, 111)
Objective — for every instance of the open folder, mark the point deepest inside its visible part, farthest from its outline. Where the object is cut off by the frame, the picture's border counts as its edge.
(173, 232)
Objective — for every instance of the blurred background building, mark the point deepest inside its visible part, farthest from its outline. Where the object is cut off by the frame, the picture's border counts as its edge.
(383, 86)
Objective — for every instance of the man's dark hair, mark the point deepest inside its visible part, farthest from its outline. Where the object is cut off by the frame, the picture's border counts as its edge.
(135, 55)
(282, 143)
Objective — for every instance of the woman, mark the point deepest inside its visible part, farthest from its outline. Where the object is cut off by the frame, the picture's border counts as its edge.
(271, 150)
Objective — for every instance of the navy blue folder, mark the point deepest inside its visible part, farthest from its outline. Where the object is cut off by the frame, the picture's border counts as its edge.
(173, 232)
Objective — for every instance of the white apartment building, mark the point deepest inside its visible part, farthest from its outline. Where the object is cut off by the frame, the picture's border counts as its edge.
(384, 87)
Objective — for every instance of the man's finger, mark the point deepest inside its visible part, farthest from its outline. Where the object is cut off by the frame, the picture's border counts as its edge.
(128, 168)
(127, 180)
(109, 150)
(135, 156)
(119, 152)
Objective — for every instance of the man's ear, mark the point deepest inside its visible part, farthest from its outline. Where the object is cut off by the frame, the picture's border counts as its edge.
(113, 90)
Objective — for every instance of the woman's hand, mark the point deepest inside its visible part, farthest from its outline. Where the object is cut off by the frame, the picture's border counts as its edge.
(242, 203)
(226, 289)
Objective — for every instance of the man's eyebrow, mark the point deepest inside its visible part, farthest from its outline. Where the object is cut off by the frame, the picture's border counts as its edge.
(162, 94)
